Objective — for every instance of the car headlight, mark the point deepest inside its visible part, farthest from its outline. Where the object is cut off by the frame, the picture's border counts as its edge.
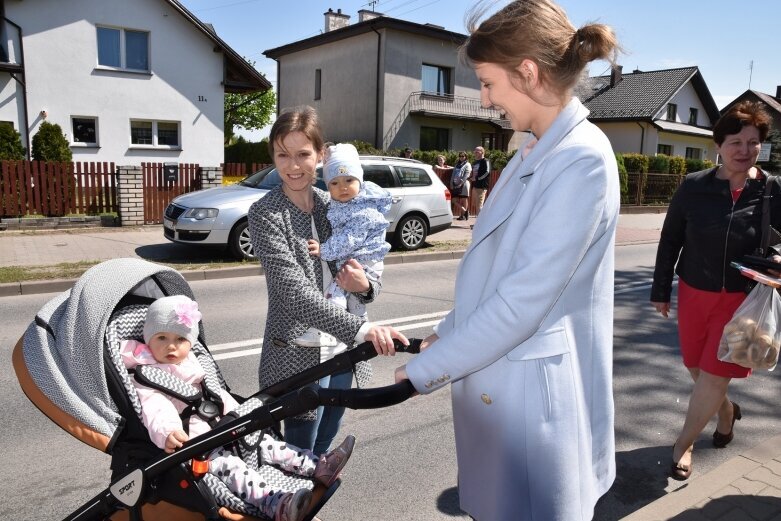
(201, 213)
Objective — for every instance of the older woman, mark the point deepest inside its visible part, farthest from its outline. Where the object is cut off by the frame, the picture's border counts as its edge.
(714, 218)
(528, 344)
(302, 327)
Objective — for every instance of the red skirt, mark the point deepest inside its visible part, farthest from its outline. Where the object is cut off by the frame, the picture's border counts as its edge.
(702, 316)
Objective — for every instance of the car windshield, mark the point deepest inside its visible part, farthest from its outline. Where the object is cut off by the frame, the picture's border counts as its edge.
(268, 178)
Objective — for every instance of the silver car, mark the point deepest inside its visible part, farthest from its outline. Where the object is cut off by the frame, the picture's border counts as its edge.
(218, 216)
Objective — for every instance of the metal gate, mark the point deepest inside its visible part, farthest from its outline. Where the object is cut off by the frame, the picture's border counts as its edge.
(163, 182)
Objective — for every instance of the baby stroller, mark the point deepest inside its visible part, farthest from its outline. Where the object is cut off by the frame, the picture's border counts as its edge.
(68, 365)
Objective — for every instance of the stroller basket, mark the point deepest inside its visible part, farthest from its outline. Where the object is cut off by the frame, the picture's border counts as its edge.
(127, 490)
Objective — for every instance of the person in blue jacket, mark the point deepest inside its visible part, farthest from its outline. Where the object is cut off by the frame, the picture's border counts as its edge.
(357, 222)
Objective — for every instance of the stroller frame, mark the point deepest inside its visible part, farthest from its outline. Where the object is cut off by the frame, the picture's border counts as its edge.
(129, 489)
(57, 341)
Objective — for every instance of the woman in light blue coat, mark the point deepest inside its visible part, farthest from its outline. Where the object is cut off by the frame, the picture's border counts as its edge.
(528, 344)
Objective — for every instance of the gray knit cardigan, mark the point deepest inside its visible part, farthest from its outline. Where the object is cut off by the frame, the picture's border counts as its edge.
(294, 278)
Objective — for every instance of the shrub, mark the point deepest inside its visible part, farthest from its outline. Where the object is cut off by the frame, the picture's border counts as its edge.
(695, 165)
(10, 144)
(677, 165)
(659, 163)
(636, 162)
(50, 144)
(623, 178)
(365, 148)
(247, 152)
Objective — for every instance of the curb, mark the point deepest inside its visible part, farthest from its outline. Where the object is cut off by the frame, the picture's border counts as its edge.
(12, 289)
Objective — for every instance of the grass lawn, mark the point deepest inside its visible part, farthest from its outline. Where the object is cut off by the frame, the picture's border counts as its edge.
(73, 270)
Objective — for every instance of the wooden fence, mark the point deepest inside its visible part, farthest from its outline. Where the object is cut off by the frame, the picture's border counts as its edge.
(54, 189)
(158, 192)
(234, 172)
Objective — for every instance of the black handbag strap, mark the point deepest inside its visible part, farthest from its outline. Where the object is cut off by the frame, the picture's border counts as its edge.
(766, 215)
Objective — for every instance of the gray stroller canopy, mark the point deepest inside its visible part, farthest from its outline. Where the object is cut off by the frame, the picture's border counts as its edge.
(63, 347)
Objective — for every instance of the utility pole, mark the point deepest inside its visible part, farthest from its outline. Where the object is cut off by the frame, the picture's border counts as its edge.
(750, 72)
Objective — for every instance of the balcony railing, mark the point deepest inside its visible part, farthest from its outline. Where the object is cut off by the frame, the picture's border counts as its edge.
(448, 105)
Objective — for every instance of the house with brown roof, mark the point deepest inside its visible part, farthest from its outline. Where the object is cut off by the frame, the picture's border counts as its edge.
(126, 81)
(667, 111)
(771, 103)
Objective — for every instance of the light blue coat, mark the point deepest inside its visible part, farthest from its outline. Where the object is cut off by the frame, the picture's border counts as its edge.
(528, 345)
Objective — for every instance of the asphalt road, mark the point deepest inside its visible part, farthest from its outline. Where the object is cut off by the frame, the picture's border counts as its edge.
(404, 464)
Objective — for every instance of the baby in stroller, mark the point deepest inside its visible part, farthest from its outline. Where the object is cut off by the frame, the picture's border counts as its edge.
(170, 329)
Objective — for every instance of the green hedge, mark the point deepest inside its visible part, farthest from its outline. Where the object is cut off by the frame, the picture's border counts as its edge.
(242, 151)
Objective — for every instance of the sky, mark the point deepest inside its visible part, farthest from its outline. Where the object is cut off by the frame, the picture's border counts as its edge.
(734, 43)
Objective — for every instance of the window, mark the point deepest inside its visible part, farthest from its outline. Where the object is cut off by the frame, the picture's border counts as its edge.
(672, 111)
(432, 138)
(379, 174)
(123, 48)
(411, 176)
(664, 149)
(488, 141)
(436, 80)
(692, 116)
(693, 153)
(155, 133)
(318, 77)
(84, 130)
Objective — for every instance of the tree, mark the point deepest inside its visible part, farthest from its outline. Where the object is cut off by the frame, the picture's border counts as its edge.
(249, 111)
(50, 144)
(10, 144)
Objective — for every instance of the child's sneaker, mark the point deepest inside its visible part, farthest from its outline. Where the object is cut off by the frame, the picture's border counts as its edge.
(315, 338)
(331, 464)
(293, 505)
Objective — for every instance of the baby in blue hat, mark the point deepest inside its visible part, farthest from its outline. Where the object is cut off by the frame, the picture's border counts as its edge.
(357, 221)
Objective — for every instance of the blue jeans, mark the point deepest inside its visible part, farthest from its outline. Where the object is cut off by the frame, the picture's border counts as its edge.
(317, 435)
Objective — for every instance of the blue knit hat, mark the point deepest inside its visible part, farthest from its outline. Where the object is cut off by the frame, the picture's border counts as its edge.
(342, 160)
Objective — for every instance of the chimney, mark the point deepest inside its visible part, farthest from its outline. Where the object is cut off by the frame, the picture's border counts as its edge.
(615, 75)
(335, 20)
(778, 92)
(365, 14)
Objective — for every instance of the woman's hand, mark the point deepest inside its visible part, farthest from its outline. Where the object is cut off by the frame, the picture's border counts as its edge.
(382, 338)
(775, 273)
(401, 374)
(662, 307)
(352, 278)
(175, 441)
(426, 342)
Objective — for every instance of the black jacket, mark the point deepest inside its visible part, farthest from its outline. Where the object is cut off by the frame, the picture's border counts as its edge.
(709, 231)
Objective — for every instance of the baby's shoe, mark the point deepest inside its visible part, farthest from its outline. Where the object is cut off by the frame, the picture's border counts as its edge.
(293, 505)
(331, 464)
(315, 338)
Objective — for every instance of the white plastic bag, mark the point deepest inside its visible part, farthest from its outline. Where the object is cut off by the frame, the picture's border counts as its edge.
(752, 337)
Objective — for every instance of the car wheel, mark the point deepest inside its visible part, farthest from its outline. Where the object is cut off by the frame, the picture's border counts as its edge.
(411, 232)
(240, 243)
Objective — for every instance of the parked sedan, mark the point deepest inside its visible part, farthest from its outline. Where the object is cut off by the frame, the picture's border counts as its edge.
(218, 216)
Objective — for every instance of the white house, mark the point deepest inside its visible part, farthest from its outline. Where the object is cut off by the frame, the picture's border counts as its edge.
(128, 81)
(667, 111)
